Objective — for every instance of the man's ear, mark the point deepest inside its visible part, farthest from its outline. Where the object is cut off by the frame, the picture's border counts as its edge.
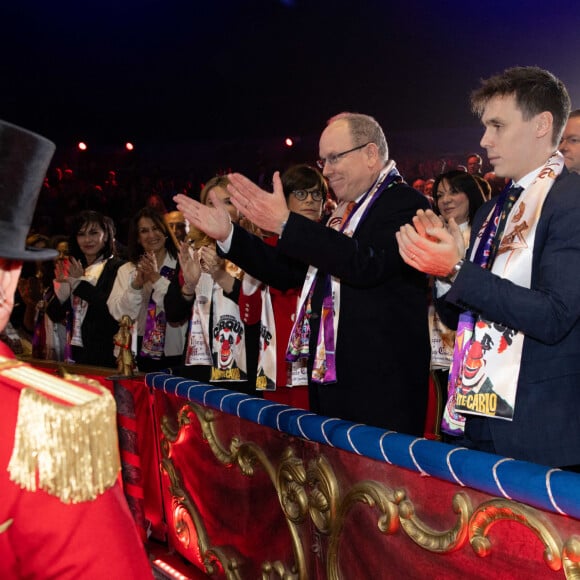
(544, 123)
(372, 154)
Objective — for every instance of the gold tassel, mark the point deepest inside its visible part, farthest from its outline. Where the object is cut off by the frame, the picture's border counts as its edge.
(70, 452)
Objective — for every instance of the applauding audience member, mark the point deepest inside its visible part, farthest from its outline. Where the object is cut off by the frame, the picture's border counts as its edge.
(139, 292)
(515, 299)
(305, 190)
(220, 348)
(362, 321)
(82, 285)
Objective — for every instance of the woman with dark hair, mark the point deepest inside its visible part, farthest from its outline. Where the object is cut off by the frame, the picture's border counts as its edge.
(305, 190)
(139, 292)
(458, 195)
(82, 284)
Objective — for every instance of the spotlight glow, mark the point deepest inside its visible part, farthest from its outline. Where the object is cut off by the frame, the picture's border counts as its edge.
(82, 146)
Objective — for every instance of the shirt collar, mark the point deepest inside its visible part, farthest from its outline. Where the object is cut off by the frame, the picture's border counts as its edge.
(527, 180)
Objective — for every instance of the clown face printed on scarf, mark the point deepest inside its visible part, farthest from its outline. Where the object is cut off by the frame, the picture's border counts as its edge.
(474, 367)
(228, 334)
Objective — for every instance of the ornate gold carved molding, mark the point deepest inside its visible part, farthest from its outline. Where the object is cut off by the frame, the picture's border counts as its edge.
(431, 539)
(290, 484)
(187, 522)
(324, 494)
(373, 494)
(278, 570)
(248, 456)
(315, 492)
(490, 512)
(571, 558)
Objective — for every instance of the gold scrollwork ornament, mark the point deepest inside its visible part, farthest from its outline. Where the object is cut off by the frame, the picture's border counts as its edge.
(496, 510)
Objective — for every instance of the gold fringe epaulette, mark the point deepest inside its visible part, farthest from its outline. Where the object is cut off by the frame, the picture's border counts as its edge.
(70, 449)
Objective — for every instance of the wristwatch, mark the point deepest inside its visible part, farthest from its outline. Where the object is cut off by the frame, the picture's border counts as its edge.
(454, 271)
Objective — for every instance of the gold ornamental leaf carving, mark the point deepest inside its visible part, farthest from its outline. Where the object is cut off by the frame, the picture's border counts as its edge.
(324, 494)
(216, 560)
(277, 570)
(185, 515)
(496, 510)
(291, 486)
(571, 558)
(182, 502)
(431, 539)
(373, 494)
(248, 455)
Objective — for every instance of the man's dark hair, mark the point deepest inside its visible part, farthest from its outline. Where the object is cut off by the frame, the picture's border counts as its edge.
(535, 90)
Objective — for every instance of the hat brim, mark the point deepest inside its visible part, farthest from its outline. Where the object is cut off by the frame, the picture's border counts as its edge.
(29, 254)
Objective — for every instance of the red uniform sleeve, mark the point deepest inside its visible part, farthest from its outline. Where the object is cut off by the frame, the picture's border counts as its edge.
(90, 540)
(43, 538)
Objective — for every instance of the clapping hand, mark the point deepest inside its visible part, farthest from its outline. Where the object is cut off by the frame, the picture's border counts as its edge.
(210, 261)
(147, 270)
(75, 268)
(216, 267)
(269, 211)
(61, 270)
(430, 247)
(214, 221)
(68, 270)
(190, 264)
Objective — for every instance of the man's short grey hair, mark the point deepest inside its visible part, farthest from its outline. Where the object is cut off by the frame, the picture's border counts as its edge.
(364, 129)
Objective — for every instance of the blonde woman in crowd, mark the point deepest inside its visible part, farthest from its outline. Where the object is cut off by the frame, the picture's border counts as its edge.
(220, 348)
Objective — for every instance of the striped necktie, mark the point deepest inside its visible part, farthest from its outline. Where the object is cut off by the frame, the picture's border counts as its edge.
(346, 214)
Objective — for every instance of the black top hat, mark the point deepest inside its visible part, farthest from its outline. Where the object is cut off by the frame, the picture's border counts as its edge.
(24, 159)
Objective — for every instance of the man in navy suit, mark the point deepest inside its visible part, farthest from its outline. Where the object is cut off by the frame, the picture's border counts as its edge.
(520, 283)
(371, 363)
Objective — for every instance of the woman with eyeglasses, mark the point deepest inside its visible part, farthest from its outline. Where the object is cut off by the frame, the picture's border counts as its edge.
(306, 191)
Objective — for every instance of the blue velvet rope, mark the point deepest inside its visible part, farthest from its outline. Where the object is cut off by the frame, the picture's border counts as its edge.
(549, 489)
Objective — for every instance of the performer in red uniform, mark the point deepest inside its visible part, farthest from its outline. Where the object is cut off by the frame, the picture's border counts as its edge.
(62, 512)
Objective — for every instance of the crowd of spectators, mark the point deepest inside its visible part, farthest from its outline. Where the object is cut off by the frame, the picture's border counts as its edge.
(120, 193)
(70, 192)
(126, 212)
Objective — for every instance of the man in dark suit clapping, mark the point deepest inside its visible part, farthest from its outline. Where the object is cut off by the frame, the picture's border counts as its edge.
(362, 320)
(518, 290)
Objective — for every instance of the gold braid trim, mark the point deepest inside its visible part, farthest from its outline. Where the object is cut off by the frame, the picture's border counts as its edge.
(65, 390)
(70, 452)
